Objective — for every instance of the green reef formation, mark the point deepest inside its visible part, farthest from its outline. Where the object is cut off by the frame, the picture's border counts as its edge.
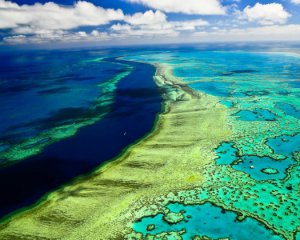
(223, 167)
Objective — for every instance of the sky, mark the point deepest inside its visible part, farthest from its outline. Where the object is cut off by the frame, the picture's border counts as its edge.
(115, 22)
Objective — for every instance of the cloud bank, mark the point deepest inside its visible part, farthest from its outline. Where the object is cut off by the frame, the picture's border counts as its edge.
(266, 14)
(147, 18)
(86, 22)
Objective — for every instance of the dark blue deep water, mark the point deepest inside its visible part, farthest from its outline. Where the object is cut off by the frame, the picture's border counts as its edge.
(132, 116)
(36, 86)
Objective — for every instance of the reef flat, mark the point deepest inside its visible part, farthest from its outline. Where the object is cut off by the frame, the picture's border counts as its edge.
(173, 157)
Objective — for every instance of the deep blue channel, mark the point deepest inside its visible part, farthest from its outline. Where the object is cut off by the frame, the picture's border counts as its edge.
(132, 116)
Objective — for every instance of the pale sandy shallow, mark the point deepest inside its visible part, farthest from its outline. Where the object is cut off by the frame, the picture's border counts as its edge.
(171, 158)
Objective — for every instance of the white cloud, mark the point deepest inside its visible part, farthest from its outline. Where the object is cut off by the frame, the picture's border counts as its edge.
(51, 16)
(158, 19)
(146, 18)
(202, 7)
(266, 14)
(155, 26)
(17, 39)
(295, 1)
(120, 27)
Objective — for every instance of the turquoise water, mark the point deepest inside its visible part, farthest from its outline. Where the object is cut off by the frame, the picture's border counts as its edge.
(261, 164)
(206, 220)
(256, 115)
(289, 109)
(285, 145)
(226, 153)
(257, 167)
